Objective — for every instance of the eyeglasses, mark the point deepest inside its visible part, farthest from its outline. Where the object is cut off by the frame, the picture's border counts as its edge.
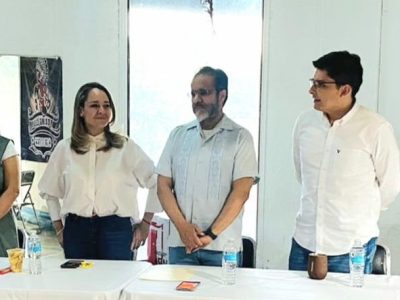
(201, 92)
(317, 84)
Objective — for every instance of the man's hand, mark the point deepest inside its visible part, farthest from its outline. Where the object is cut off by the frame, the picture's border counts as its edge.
(206, 240)
(189, 234)
(140, 235)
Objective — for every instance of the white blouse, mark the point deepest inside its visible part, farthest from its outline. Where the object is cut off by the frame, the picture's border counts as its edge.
(98, 182)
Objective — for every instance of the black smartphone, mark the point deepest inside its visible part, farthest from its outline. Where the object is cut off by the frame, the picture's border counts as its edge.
(71, 264)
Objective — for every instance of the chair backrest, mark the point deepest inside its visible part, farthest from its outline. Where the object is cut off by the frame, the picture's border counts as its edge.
(381, 261)
(26, 184)
(21, 238)
(27, 177)
(249, 252)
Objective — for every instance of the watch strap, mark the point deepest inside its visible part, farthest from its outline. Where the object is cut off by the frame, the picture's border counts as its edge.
(210, 233)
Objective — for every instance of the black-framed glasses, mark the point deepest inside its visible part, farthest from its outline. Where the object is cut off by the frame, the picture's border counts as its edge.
(314, 83)
(201, 92)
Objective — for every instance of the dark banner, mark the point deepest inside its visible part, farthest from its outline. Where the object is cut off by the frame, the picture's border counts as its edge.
(41, 107)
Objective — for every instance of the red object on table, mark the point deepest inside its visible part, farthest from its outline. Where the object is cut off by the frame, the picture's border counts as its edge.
(5, 271)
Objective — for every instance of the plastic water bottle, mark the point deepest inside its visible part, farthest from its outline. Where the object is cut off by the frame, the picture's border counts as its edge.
(34, 254)
(229, 263)
(357, 262)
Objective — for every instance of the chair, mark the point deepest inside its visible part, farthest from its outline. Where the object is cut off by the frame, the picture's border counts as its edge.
(25, 197)
(249, 252)
(381, 262)
(21, 238)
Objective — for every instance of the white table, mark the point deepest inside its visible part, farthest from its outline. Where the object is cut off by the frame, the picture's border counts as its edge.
(264, 284)
(104, 281)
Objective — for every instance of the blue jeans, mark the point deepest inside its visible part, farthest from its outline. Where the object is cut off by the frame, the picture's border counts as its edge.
(202, 257)
(107, 237)
(298, 258)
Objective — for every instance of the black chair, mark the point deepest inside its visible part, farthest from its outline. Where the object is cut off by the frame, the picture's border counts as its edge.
(249, 252)
(21, 238)
(25, 198)
(381, 261)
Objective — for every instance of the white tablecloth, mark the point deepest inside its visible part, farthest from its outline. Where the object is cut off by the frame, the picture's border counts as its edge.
(264, 284)
(104, 281)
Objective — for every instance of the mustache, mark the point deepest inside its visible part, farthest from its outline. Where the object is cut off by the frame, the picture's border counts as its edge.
(199, 106)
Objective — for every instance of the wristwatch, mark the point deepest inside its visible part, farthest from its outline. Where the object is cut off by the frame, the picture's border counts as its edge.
(210, 233)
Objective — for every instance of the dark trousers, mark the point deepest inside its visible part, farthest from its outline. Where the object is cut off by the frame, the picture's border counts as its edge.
(107, 237)
(8, 234)
(202, 257)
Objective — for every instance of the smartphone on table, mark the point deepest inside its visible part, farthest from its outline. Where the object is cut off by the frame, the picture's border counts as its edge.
(71, 264)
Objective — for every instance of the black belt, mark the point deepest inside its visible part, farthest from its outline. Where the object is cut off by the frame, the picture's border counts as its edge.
(79, 217)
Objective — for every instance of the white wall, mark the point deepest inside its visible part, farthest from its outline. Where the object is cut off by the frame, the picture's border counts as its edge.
(297, 32)
(90, 36)
(389, 106)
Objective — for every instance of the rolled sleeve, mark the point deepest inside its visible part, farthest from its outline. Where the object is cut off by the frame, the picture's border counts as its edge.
(147, 178)
(164, 166)
(54, 207)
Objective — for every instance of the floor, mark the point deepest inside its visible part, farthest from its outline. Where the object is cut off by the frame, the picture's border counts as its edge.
(50, 245)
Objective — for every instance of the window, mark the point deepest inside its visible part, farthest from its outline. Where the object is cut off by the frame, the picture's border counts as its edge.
(169, 42)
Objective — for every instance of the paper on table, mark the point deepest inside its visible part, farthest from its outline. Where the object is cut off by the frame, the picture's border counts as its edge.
(166, 273)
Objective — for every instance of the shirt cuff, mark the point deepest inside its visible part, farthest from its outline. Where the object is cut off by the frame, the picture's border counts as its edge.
(53, 204)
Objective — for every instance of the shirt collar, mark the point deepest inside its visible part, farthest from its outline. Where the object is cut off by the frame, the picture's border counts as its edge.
(349, 114)
(346, 117)
(225, 123)
(99, 140)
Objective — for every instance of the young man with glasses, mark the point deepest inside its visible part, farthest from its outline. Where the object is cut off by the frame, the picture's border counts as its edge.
(347, 161)
(205, 174)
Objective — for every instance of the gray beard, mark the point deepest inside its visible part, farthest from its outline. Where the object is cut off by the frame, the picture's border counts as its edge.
(201, 115)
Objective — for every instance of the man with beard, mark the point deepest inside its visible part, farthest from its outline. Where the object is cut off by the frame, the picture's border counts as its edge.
(206, 172)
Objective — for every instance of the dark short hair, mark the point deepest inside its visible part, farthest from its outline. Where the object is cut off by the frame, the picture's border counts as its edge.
(220, 78)
(343, 67)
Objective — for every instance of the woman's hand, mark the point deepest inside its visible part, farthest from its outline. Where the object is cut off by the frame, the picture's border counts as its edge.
(59, 228)
(140, 234)
(60, 238)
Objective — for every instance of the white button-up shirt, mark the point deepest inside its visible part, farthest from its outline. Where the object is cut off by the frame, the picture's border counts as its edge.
(349, 172)
(203, 167)
(98, 182)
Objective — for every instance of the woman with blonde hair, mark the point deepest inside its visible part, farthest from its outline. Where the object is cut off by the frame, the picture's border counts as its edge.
(97, 173)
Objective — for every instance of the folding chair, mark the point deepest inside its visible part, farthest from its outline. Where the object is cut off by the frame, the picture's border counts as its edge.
(249, 252)
(381, 263)
(21, 238)
(25, 198)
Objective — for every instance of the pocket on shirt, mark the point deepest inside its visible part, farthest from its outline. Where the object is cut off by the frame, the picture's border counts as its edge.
(352, 162)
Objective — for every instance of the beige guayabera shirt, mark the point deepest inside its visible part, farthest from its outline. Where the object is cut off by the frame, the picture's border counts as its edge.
(202, 167)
